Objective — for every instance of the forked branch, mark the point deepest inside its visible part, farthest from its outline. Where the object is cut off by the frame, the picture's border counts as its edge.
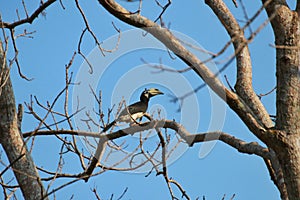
(189, 138)
(29, 19)
(165, 36)
(243, 85)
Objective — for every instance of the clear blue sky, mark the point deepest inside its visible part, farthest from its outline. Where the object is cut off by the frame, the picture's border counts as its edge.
(220, 170)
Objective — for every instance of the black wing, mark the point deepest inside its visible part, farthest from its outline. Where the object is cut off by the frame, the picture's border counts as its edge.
(134, 108)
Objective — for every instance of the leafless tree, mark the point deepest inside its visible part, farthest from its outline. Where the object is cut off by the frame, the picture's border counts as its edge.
(282, 137)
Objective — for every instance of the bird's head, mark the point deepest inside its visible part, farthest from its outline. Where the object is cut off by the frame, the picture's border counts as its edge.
(148, 93)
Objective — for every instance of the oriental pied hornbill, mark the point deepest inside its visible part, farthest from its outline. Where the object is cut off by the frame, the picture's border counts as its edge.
(136, 110)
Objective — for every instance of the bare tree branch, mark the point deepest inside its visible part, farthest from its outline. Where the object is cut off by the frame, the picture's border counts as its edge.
(164, 35)
(28, 19)
(243, 84)
(281, 156)
(189, 138)
(164, 165)
(164, 8)
(13, 143)
(88, 27)
(16, 55)
(286, 26)
(96, 158)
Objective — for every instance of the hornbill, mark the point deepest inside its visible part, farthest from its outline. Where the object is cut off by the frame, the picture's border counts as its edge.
(136, 110)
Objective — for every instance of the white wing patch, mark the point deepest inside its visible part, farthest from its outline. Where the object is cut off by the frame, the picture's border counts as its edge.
(128, 118)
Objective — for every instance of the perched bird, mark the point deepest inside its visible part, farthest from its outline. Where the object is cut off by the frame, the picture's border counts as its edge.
(136, 110)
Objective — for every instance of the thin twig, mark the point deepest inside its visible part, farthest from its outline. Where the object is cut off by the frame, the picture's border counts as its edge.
(266, 94)
(229, 85)
(164, 8)
(80, 53)
(11, 164)
(88, 27)
(67, 83)
(16, 55)
(31, 18)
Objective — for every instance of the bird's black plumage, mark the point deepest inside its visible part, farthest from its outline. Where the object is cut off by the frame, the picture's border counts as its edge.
(136, 110)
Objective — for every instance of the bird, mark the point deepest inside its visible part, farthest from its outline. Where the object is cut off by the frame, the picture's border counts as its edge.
(136, 110)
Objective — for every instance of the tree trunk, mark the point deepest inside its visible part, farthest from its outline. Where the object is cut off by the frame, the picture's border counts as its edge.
(12, 140)
(286, 27)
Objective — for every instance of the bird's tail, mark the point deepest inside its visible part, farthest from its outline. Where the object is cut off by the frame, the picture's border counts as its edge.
(107, 127)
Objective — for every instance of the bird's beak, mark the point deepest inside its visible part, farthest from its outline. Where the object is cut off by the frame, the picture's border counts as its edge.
(154, 91)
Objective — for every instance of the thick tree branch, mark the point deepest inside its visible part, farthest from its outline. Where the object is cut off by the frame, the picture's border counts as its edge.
(13, 143)
(243, 84)
(171, 42)
(276, 174)
(189, 138)
(286, 28)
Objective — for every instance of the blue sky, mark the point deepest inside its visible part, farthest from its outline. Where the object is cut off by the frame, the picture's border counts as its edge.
(221, 171)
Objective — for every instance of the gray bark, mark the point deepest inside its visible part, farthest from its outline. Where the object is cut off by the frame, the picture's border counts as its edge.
(12, 141)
